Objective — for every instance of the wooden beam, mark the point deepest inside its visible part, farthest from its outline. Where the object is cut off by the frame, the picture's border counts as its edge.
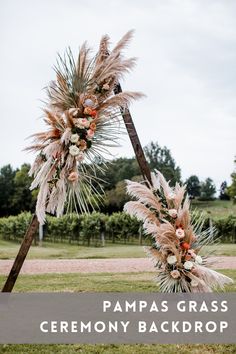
(138, 150)
(24, 248)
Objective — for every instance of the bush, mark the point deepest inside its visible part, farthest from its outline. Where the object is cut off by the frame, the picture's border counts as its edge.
(226, 228)
(64, 229)
(122, 227)
(94, 228)
(14, 227)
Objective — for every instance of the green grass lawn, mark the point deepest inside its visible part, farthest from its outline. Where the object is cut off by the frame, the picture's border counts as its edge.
(104, 282)
(118, 349)
(76, 282)
(215, 208)
(8, 250)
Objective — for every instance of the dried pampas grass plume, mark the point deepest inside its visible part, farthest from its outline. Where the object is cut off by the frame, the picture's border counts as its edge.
(178, 236)
(83, 118)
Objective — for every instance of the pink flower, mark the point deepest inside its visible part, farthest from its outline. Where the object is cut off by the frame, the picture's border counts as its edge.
(179, 233)
(80, 156)
(105, 87)
(84, 122)
(73, 177)
(90, 134)
(192, 253)
(175, 274)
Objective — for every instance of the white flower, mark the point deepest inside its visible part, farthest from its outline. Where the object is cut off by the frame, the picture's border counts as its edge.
(198, 259)
(74, 138)
(74, 151)
(188, 265)
(80, 156)
(173, 213)
(171, 259)
(179, 233)
(194, 283)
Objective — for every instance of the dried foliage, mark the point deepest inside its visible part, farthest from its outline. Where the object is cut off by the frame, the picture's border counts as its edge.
(178, 236)
(83, 120)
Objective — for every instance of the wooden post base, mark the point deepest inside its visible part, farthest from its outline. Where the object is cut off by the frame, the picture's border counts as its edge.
(24, 248)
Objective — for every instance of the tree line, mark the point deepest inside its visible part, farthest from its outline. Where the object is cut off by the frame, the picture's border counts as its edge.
(16, 197)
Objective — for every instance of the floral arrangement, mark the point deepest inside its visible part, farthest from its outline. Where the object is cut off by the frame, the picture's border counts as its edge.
(83, 118)
(178, 236)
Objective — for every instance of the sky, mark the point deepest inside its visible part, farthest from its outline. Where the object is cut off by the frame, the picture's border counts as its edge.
(186, 67)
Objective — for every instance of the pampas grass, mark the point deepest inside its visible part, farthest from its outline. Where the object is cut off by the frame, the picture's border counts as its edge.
(178, 236)
(82, 106)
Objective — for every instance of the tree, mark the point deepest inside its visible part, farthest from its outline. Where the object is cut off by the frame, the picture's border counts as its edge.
(117, 197)
(7, 189)
(232, 188)
(223, 191)
(161, 159)
(193, 186)
(208, 189)
(22, 199)
(119, 170)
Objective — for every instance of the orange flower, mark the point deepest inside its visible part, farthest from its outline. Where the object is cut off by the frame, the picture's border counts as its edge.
(93, 113)
(93, 126)
(185, 246)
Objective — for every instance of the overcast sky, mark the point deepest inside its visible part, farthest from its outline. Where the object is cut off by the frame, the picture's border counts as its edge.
(186, 66)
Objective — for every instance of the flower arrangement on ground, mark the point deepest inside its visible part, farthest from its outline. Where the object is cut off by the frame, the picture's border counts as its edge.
(83, 117)
(178, 236)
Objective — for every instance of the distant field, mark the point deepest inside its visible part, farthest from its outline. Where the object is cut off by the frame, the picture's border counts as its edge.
(8, 250)
(216, 208)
